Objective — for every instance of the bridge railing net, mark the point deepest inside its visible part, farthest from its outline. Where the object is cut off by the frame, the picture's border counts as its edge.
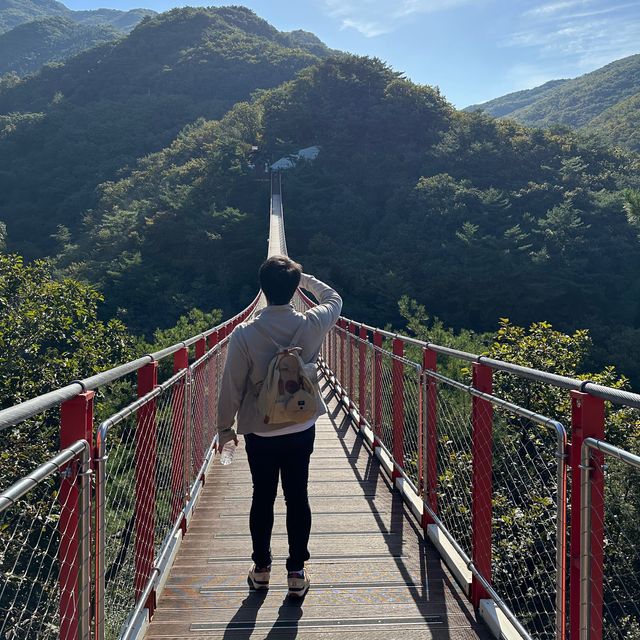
(616, 541)
(528, 532)
(142, 489)
(205, 376)
(35, 566)
(155, 454)
(522, 473)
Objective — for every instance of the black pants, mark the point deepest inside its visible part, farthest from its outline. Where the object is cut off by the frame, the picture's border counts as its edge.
(286, 456)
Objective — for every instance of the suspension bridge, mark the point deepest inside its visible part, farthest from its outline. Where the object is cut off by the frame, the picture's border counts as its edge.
(441, 508)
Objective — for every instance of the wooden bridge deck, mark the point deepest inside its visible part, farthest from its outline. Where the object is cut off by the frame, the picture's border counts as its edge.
(373, 574)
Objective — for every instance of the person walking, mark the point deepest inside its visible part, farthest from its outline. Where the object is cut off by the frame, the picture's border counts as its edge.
(275, 452)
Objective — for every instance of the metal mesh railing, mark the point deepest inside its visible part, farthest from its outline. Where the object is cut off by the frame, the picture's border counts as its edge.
(204, 382)
(610, 529)
(44, 557)
(500, 471)
(152, 458)
(454, 462)
(141, 494)
(529, 522)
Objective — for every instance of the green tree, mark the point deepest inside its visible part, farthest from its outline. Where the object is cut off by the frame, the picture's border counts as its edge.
(631, 207)
(525, 465)
(49, 336)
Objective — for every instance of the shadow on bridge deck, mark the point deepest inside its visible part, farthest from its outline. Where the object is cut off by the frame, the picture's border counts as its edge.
(373, 575)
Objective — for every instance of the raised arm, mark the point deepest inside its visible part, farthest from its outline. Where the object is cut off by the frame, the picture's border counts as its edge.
(327, 311)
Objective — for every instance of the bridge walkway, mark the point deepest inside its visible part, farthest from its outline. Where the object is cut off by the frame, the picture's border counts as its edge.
(373, 574)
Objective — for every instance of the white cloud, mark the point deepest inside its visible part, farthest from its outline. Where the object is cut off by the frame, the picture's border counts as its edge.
(368, 29)
(373, 17)
(527, 76)
(554, 7)
(577, 35)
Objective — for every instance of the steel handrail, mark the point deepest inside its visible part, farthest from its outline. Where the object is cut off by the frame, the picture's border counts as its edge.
(617, 396)
(537, 418)
(13, 416)
(626, 457)
(80, 451)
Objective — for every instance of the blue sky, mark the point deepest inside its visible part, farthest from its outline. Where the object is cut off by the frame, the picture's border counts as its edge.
(474, 50)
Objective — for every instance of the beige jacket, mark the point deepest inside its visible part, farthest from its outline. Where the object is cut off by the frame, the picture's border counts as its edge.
(250, 352)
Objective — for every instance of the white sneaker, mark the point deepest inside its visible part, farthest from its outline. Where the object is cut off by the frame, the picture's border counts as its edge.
(259, 578)
(299, 583)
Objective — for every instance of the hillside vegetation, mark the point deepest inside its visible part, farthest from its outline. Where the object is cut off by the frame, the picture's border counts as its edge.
(619, 124)
(605, 100)
(71, 127)
(16, 12)
(474, 217)
(31, 45)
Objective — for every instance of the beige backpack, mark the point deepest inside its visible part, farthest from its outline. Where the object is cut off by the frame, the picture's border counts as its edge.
(289, 394)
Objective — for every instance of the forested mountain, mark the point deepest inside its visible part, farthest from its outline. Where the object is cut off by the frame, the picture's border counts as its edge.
(146, 158)
(619, 124)
(29, 46)
(17, 12)
(476, 218)
(123, 20)
(605, 100)
(508, 104)
(71, 127)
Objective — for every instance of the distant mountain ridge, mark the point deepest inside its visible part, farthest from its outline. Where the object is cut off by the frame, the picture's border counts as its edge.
(605, 101)
(16, 12)
(107, 106)
(29, 46)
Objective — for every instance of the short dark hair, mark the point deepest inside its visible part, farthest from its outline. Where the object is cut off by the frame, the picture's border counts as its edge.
(279, 279)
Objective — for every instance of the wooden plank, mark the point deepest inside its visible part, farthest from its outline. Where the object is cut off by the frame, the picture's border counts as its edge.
(372, 571)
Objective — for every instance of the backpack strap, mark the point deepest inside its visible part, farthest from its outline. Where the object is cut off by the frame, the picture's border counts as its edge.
(267, 335)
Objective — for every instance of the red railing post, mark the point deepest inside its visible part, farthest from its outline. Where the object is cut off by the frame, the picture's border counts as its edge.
(212, 365)
(145, 478)
(362, 375)
(430, 463)
(342, 324)
(350, 331)
(334, 351)
(398, 406)
(587, 421)
(76, 423)
(482, 484)
(201, 347)
(179, 426)
(199, 417)
(376, 396)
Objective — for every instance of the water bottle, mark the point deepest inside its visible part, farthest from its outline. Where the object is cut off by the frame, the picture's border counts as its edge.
(226, 455)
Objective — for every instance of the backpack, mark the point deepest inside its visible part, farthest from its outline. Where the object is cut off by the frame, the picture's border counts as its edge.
(289, 394)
